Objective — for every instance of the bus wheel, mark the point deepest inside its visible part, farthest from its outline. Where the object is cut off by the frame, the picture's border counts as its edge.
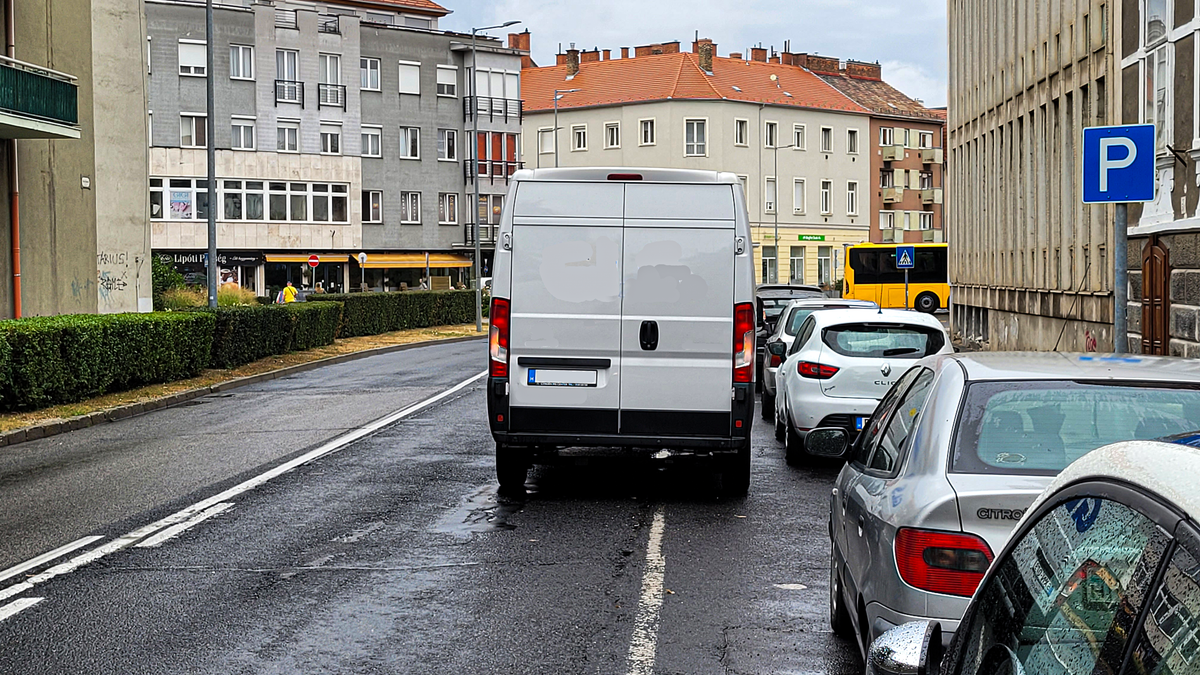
(927, 302)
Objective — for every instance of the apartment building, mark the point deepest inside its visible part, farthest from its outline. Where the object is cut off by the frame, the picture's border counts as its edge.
(800, 146)
(1030, 263)
(344, 130)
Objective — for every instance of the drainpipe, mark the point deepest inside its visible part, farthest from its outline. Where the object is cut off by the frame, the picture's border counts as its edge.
(10, 50)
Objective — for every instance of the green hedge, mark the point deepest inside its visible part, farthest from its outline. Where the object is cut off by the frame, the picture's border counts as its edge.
(51, 360)
(246, 334)
(375, 313)
(314, 324)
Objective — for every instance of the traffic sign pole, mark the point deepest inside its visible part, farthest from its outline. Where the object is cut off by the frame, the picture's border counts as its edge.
(1121, 280)
(907, 303)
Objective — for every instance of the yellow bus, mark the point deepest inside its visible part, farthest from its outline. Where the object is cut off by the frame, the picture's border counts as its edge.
(871, 274)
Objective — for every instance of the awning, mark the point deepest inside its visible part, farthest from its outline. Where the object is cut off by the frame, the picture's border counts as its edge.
(303, 257)
(415, 260)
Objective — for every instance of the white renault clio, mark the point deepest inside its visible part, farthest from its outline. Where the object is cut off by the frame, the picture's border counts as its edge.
(842, 362)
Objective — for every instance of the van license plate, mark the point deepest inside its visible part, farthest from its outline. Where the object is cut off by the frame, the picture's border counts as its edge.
(860, 422)
(541, 377)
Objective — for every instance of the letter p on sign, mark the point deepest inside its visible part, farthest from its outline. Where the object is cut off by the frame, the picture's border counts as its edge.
(1118, 164)
(1107, 161)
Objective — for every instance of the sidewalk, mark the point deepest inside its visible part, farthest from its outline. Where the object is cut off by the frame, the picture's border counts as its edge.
(19, 427)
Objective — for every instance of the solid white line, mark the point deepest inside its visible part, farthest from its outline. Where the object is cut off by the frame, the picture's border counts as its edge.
(47, 557)
(176, 529)
(181, 516)
(17, 605)
(643, 647)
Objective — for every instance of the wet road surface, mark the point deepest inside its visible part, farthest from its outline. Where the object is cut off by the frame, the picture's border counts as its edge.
(393, 554)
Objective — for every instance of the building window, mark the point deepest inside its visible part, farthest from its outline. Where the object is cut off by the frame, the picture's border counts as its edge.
(288, 137)
(241, 62)
(240, 202)
(448, 145)
(799, 196)
(799, 138)
(907, 137)
(824, 265)
(887, 136)
(193, 59)
(372, 206)
(796, 265)
(770, 134)
(243, 133)
(647, 136)
(852, 198)
(1156, 21)
(447, 81)
(826, 139)
(887, 220)
(368, 72)
(852, 141)
(250, 200)
(287, 71)
(193, 131)
(410, 77)
(330, 69)
(769, 196)
(612, 135)
(769, 264)
(695, 138)
(926, 180)
(372, 142)
(1158, 98)
(410, 143)
(887, 178)
(925, 139)
(448, 208)
(926, 220)
(329, 203)
(545, 141)
(579, 137)
(826, 197)
(331, 139)
(410, 208)
(741, 132)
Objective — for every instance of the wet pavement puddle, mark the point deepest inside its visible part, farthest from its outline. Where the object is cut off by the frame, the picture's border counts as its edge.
(480, 512)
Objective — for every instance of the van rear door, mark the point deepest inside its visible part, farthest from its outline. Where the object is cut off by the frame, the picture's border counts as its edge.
(677, 315)
(565, 332)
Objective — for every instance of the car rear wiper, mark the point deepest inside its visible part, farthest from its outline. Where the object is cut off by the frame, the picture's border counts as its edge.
(899, 351)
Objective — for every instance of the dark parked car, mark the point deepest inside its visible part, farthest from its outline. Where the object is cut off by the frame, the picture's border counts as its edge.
(769, 301)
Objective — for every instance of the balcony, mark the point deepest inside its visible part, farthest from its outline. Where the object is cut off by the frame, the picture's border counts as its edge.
(892, 235)
(931, 155)
(487, 234)
(893, 153)
(329, 23)
(933, 236)
(37, 102)
(289, 91)
(931, 196)
(893, 195)
(286, 18)
(504, 109)
(331, 95)
(492, 169)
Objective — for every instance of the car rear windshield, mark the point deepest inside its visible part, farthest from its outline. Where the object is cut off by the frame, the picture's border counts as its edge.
(883, 341)
(792, 327)
(1038, 428)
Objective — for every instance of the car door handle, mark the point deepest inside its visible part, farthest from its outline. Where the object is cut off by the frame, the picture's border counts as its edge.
(862, 522)
(648, 335)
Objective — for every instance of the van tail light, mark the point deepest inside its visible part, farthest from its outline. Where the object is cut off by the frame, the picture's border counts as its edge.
(498, 338)
(624, 176)
(815, 371)
(942, 562)
(743, 343)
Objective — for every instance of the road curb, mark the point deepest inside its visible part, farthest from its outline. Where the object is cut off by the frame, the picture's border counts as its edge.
(61, 426)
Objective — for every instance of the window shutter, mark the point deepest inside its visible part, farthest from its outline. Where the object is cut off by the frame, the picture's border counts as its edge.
(410, 78)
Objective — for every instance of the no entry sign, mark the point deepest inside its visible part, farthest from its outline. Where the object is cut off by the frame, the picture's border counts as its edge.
(314, 260)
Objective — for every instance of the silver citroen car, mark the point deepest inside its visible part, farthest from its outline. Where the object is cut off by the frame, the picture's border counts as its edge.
(956, 452)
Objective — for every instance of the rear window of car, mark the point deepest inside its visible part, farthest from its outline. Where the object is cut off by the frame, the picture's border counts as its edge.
(883, 341)
(1039, 427)
(799, 314)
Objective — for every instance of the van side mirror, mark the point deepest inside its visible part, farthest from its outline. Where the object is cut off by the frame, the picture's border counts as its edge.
(777, 348)
(831, 442)
(912, 649)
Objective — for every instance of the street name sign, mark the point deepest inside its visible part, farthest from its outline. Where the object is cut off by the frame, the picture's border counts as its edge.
(1118, 164)
(906, 257)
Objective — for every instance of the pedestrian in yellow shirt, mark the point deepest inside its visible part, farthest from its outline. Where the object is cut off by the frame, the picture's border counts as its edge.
(289, 293)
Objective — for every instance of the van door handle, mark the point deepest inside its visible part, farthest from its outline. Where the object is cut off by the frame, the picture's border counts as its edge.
(648, 335)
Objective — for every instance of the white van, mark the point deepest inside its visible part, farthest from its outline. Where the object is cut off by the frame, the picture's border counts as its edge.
(622, 315)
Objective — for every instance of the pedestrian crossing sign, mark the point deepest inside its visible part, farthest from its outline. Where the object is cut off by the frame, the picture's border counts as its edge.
(905, 257)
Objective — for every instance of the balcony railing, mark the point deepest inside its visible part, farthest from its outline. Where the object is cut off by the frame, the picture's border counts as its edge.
(494, 108)
(893, 195)
(931, 155)
(289, 91)
(893, 153)
(931, 196)
(39, 94)
(487, 233)
(329, 24)
(491, 169)
(333, 95)
(285, 18)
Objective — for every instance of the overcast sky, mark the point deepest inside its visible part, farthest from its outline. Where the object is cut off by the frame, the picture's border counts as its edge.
(907, 36)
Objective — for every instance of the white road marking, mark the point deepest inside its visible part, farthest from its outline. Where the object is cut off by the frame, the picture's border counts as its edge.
(146, 530)
(644, 646)
(16, 606)
(47, 557)
(174, 530)
(792, 587)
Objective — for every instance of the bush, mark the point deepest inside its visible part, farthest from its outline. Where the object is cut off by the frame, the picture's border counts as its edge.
(51, 360)
(164, 278)
(314, 324)
(183, 298)
(232, 295)
(248, 333)
(375, 313)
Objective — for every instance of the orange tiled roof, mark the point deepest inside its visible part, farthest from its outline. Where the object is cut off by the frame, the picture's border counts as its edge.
(879, 96)
(661, 77)
(420, 5)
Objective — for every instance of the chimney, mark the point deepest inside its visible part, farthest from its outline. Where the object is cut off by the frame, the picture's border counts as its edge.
(707, 50)
(735, 55)
(624, 52)
(607, 55)
(800, 60)
(824, 64)
(520, 42)
(775, 59)
(560, 59)
(572, 62)
(787, 59)
(864, 71)
(589, 57)
(660, 48)
(758, 54)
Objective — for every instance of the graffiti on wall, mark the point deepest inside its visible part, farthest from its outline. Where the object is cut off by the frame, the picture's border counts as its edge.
(116, 280)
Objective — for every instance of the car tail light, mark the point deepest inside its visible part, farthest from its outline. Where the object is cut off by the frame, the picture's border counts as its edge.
(776, 360)
(743, 343)
(815, 371)
(942, 562)
(498, 337)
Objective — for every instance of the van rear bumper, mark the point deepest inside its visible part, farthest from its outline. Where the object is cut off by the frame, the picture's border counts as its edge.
(620, 441)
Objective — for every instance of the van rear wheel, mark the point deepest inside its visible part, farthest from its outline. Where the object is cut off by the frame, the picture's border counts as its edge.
(735, 472)
(768, 406)
(512, 467)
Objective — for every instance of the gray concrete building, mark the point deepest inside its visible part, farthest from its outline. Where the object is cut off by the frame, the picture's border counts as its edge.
(341, 132)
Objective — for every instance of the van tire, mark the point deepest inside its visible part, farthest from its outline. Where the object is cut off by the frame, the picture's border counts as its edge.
(768, 406)
(794, 453)
(735, 472)
(780, 429)
(927, 302)
(512, 467)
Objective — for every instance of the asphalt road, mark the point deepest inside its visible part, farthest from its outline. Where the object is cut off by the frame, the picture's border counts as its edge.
(393, 554)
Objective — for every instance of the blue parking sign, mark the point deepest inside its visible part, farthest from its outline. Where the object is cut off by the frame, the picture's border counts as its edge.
(906, 257)
(1118, 164)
